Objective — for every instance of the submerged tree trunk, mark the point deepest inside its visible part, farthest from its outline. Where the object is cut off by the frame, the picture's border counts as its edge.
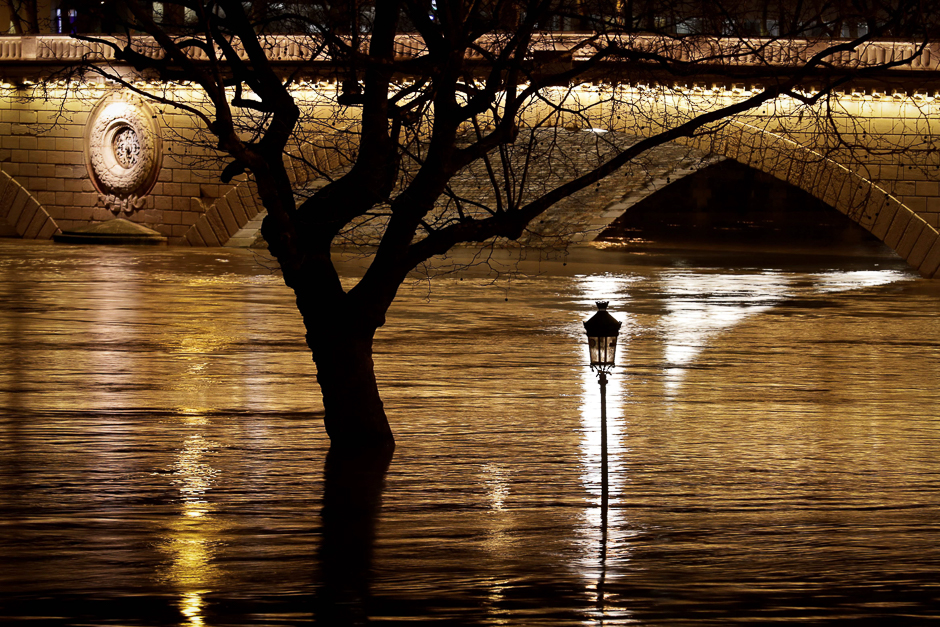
(355, 416)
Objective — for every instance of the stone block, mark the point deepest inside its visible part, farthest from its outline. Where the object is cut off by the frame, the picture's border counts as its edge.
(235, 202)
(886, 126)
(899, 225)
(85, 199)
(904, 188)
(149, 216)
(927, 188)
(73, 213)
(225, 213)
(238, 210)
(49, 228)
(32, 230)
(190, 189)
(218, 226)
(931, 263)
(173, 218)
(911, 173)
(64, 198)
(39, 157)
(67, 171)
(25, 217)
(248, 201)
(209, 190)
(74, 185)
(206, 233)
(914, 228)
(193, 238)
(7, 191)
(13, 202)
(917, 204)
(928, 237)
(101, 214)
(880, 219)
(834, 192)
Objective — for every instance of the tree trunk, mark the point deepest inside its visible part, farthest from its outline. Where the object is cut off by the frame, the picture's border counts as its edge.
(354, 416)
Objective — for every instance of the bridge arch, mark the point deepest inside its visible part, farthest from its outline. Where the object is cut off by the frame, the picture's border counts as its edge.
(21, 215)
(858, 198)
(223, 222)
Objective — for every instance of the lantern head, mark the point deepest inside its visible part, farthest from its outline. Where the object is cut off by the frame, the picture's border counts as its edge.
(602, 330)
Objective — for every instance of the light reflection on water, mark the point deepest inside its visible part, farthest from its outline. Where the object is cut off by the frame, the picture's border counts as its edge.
(772, 438)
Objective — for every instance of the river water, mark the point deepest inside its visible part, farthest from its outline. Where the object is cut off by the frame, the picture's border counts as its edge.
(773, 433)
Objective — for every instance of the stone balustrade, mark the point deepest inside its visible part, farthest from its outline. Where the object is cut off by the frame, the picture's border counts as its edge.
(728, 52)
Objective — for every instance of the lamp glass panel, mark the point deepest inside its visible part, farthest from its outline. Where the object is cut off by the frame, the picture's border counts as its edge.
(602, 350)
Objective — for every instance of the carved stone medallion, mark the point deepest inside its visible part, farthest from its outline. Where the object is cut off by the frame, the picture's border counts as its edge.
(123, 151)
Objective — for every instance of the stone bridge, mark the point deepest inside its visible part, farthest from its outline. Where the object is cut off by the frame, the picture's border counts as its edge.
(873, 153)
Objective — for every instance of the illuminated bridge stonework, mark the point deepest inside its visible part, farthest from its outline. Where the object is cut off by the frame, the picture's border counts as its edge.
(61, 167)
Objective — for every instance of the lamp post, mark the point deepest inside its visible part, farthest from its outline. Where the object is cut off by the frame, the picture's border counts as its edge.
(602, 330)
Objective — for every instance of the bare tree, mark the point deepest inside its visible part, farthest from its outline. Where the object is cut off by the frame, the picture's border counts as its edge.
(433, 94)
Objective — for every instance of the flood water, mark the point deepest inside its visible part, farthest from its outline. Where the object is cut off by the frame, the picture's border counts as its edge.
(773, 446)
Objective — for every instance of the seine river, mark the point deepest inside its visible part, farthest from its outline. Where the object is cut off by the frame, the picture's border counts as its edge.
(774, 428)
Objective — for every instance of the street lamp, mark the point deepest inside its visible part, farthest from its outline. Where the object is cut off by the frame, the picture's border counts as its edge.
(602, 330)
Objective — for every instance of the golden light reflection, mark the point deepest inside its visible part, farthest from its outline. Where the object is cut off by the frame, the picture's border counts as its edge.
(114, 310)
(857, 279)
(192, 608)
(495, 595)
(190, 540)
(501, 522)
(598, 533)
(495, 480)
(701, 305)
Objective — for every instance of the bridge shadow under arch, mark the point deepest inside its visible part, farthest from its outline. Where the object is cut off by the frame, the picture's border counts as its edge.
(858, 198)
(728, 205)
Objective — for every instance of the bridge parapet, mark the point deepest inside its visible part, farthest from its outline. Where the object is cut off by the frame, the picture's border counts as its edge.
(725, 53)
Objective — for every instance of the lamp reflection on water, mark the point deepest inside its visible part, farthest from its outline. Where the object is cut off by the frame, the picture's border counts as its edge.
(189, 542)
(604, 528)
